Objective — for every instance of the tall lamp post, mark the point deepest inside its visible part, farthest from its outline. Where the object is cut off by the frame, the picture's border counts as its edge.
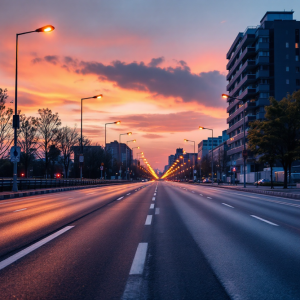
(117, 122)
(126, 153)
(212, 152)
(193, 155)
(16, 117)
(244, 129)
(81, 145)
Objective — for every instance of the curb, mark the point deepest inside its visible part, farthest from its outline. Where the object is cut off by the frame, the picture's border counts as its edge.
(47, 191)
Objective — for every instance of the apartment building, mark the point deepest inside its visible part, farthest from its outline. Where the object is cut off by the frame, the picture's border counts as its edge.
(263, 61)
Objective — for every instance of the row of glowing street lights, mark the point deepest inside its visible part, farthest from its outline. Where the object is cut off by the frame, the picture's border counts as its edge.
(16, 117)
(173, 168)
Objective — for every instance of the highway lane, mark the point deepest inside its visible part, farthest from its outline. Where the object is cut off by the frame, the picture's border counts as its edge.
(90, 260)
(252, 246)
(165, 241)
(27, 219)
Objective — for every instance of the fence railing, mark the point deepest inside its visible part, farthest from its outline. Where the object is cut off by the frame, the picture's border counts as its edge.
(38, 183)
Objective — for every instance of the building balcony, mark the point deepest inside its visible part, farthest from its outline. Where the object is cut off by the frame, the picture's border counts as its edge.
(262, 47)
(247, 79)
(261, 33)
(262, 74)
(248, 51)
(263, 88)
(262, 102)
(262, 60)
(237, 137)
(249, 118)
(248, 65)
(248, 92)
(248, 106)
(232, 104)
(235, 150)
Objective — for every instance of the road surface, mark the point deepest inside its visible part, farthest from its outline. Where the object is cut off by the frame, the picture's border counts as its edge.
(150, 240)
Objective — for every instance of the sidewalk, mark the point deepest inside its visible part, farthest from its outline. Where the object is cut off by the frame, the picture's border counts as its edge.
(293, 193)
(10, 195)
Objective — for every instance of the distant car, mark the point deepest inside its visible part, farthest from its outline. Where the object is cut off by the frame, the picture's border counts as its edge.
(261, 181)
(206, 180)
(143, 180)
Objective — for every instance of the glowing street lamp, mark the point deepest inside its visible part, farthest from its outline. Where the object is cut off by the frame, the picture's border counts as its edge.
(16, 117)
(81, 146)
(117, 123)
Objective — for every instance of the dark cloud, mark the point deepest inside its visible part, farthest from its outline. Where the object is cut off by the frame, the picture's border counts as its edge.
(152, 136)
(156, 61)
(36, 60)
(204, 88)
(70, 61)
(174, 122)
(52, 59)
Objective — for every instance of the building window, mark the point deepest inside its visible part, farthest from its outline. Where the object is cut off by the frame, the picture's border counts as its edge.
(297, 81)
(264, 95)
(263, 53)
(287, 81)
(297, 57)
(287, 69)
(287, 56)
(297, 45)
(286, 45)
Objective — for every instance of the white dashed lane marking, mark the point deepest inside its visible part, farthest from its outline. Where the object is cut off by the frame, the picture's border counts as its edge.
(120, 198)
(157, 211)
(151, 206)
(263, 220)
(128, 194)
(209, 198)
(20, 209)
(148, 220)
(137, 266)
(227, 205)
(153, 199)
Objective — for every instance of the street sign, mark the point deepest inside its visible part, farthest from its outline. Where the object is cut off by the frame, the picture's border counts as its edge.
(81, 158)
(15, 153)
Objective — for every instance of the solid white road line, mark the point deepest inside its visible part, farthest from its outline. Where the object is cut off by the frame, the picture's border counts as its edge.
(209, 198)
(157, 211)
(138, 263)
(153, 199)
(148, 220)
(151, 206)
(120, 198)
(33, 247)
(20, 209)
(266, 221)
(154, 194)
(128, 194)
(228, 205)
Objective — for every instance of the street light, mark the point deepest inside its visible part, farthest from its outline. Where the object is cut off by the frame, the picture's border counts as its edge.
(81, 146)
(244, 129)
(117, 122)
(212, 148)
(194, 153)
(16, 117)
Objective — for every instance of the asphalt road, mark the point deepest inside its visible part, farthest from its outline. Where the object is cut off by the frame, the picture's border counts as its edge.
(157, 240)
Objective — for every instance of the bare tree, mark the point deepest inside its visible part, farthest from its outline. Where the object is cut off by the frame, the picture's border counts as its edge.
(67, 138)
(28, 139)
(6, 129)
(48, 128)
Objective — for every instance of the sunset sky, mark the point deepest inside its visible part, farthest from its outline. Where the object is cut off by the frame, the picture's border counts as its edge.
(160, 64)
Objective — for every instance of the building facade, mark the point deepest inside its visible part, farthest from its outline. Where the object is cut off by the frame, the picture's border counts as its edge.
(120, 152)
(262, 62)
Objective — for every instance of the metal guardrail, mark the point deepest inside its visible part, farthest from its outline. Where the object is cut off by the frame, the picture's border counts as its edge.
(38, 183)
